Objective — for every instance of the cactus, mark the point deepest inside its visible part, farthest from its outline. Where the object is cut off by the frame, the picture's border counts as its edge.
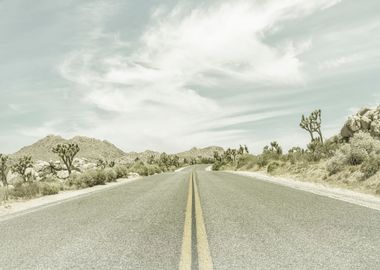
(312, 124)
(67, 152)
(22, 165)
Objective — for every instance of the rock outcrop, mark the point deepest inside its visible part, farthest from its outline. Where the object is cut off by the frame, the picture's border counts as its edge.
(366, 120)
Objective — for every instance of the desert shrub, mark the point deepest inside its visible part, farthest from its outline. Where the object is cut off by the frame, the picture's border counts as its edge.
(110, 174)
(359, 150)
(246, 160)
(25, 190)
(49, 188)
(370, 166)
(152, 169)
(262, 160)
(76, 181)
(140, 168)
(377, 191)
(295, 154)
(96, 177)
(88, 179)
(272, 166)
(362, 140)
(121, 171)
(355, 156)
(217, 165)
(335, 164)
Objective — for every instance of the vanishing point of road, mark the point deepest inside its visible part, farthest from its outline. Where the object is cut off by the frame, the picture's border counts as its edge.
(194, 219)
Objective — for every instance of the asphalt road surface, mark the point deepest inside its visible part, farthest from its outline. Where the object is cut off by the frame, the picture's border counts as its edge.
(226, 221)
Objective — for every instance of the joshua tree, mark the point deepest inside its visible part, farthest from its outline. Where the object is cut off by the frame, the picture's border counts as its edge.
(175, 160)
(228, 155)
(150, 159)
(101, 163)
(312, 124)
(111, 164)
(241, 150)
(22, 165)
(217, 157)
(234, 153)
(164, 160)
(246, 149)
(3, 173)
(273, 148)
(66, 152)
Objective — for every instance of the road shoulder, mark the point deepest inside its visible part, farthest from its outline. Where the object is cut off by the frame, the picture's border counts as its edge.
(18, 207)
(357, 198)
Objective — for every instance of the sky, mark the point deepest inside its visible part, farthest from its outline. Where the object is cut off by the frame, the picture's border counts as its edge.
(169, 75)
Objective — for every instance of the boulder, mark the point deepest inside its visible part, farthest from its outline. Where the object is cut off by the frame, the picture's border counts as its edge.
(366, 120)
(62, 174)
(40, 165)
(365, 123)
(375, 128)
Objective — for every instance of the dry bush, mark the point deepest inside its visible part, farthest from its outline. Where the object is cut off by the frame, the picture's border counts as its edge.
(49, 188)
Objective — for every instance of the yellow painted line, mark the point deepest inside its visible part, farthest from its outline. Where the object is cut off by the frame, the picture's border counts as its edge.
(185, 262)
(204, 255)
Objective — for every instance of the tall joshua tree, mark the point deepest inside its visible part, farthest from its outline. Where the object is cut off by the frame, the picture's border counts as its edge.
(66, 153)
(241, 150)
(22, 164)
(3, 173)
(312, 124)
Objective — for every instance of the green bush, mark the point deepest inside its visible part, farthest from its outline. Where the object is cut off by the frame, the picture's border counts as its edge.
(77, 181)
(49, 188)
(96, 177)
(140, 168)
(25, 190)
(88, 179)
(121, 171)
(153, 169)
(273, 166)
(110, 174)
(359, 150)
(246, 160)
(217, 165)
(335, 164)
(370, 167)
(262, 160)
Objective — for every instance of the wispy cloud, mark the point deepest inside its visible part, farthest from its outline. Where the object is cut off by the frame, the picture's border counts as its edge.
(155, 90)
(340, 61)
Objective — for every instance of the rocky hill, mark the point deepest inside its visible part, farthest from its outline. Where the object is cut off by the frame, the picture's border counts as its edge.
(207, 152)
(143, 156)
(90, 148)
(367, 120)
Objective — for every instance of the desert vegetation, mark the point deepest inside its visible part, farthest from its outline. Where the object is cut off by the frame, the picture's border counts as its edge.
(350, 159)
(23, 177)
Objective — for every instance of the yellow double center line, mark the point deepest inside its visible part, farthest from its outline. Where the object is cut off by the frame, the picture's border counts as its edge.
(203, 251)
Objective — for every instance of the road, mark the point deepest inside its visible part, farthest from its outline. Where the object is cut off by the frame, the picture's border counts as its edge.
(226, 222)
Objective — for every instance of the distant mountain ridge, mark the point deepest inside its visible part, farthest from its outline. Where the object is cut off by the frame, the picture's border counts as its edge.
(143, 156)
(90, 148)
(206, 152)
(94, 149)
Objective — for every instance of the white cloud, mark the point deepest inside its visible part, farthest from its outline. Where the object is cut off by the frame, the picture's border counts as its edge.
(340, 61)
(151, 89)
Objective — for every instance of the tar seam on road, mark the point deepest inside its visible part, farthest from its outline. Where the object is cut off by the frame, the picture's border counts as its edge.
(203, 251)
